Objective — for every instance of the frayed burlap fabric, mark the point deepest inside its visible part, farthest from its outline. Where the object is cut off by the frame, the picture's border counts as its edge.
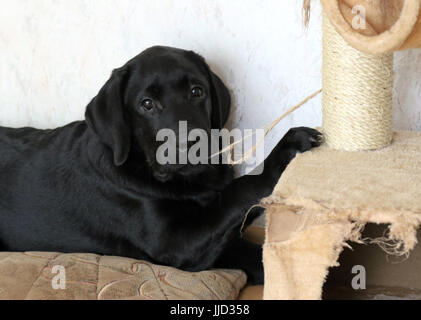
(322, 202)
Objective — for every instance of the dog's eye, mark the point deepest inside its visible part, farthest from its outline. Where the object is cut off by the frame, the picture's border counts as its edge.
(197, 92)
(148, 104)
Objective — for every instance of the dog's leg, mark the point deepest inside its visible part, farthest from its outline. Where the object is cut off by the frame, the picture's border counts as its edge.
(247, 191)
(218, 226)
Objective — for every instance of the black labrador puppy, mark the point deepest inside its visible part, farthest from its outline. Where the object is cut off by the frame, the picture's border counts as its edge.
(95, 185)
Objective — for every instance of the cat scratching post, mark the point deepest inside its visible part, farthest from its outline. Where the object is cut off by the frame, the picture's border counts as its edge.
(359, 37)
(326, 196)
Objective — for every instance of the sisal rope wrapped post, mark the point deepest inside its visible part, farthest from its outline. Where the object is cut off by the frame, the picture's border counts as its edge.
(358, 68)
(357, 95)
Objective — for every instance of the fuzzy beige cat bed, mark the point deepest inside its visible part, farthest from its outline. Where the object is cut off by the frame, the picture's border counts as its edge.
(390, 24)
(365, 173)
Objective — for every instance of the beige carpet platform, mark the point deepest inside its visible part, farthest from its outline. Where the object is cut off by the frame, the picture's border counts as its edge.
(322, 203)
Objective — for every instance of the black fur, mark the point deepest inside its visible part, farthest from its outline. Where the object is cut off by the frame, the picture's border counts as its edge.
(95, 186)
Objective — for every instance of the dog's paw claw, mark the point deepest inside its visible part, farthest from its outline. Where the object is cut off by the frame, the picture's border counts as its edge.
(303, 139)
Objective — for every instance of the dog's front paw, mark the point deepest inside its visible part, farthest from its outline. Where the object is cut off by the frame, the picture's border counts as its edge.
(303, 139)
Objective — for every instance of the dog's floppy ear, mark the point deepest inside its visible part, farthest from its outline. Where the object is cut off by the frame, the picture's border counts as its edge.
(221, 101)
(105, 116)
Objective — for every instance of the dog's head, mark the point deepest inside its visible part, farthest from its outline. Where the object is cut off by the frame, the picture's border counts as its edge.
(157, 90)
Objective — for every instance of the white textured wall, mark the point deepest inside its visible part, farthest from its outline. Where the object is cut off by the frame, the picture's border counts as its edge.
(56, 54)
